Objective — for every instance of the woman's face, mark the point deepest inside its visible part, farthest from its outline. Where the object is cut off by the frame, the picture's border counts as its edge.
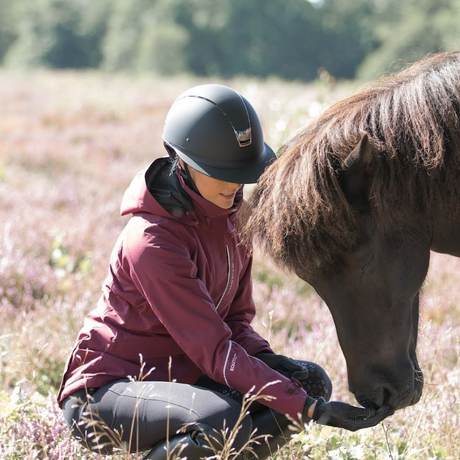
(216, 191)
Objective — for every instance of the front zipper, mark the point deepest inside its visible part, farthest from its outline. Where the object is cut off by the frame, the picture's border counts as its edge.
(228, 277)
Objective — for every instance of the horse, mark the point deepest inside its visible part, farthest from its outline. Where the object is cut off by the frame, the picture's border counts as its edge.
(353, 205)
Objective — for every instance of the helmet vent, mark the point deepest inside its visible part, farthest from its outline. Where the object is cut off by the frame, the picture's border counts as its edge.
(244, 138)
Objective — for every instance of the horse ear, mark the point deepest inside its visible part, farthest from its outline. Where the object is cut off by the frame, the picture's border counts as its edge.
(353, 175)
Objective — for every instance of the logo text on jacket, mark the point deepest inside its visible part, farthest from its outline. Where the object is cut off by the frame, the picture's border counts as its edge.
(233, 364)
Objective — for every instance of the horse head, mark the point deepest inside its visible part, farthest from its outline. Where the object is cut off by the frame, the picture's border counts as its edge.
(353, 205)
(372, 292)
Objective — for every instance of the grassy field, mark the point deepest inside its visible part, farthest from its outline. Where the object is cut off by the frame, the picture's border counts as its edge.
(69, 146)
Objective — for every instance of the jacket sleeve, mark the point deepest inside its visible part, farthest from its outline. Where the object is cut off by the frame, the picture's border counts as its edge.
(163, 271)
(241, 314)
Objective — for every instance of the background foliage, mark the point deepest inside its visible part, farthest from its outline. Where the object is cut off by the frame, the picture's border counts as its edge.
(291, 39)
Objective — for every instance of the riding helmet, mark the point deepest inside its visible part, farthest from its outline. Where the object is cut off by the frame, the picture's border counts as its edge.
(216, 131)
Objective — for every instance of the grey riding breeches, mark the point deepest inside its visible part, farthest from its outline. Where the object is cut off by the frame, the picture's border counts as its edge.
(133, 416)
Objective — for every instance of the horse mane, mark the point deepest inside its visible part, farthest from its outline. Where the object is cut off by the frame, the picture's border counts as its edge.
(412, 119)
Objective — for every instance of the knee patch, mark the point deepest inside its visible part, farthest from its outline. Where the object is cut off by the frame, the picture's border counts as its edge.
(318, 384)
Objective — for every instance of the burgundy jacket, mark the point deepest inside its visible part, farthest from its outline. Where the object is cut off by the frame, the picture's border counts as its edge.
(178, 290)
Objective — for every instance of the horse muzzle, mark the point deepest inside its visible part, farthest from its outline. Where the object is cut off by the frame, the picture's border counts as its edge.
(395, 392)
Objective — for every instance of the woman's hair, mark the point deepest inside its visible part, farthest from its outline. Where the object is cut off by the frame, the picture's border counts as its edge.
(175, 165)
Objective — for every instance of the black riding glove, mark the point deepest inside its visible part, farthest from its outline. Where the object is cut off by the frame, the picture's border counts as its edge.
(284, 365)
(343, 415)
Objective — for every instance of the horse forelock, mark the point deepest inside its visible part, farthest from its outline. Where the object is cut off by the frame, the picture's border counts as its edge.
(412, 119)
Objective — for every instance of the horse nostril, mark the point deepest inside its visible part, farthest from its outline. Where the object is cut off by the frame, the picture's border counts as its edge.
(382, 396)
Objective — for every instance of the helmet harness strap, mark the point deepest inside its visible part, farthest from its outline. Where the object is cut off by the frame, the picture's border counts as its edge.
(183, 171)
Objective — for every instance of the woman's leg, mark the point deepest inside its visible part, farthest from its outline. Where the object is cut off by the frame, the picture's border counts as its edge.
(272, 429)
(135, 416)
(318, 384)
(140, 415)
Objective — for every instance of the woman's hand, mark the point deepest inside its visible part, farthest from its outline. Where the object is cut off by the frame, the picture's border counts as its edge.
(284, 365)
(343, 415)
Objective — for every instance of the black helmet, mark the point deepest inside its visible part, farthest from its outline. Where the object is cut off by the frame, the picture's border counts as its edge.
(216, 131)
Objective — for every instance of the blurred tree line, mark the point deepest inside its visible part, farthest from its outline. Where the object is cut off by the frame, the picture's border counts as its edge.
(291, 39)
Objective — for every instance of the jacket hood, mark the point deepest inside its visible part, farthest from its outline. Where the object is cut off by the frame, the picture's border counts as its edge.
(160, 191)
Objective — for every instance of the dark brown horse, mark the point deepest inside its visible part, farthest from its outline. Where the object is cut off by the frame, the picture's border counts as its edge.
(354, 204)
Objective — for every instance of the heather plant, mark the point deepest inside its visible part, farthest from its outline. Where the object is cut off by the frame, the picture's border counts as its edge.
(31, 427)
(69, 145)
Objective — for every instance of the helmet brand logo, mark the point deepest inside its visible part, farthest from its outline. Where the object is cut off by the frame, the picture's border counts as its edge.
(244, 137)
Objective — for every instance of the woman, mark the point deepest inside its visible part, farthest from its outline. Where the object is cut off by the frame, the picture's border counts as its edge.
(163, 362)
